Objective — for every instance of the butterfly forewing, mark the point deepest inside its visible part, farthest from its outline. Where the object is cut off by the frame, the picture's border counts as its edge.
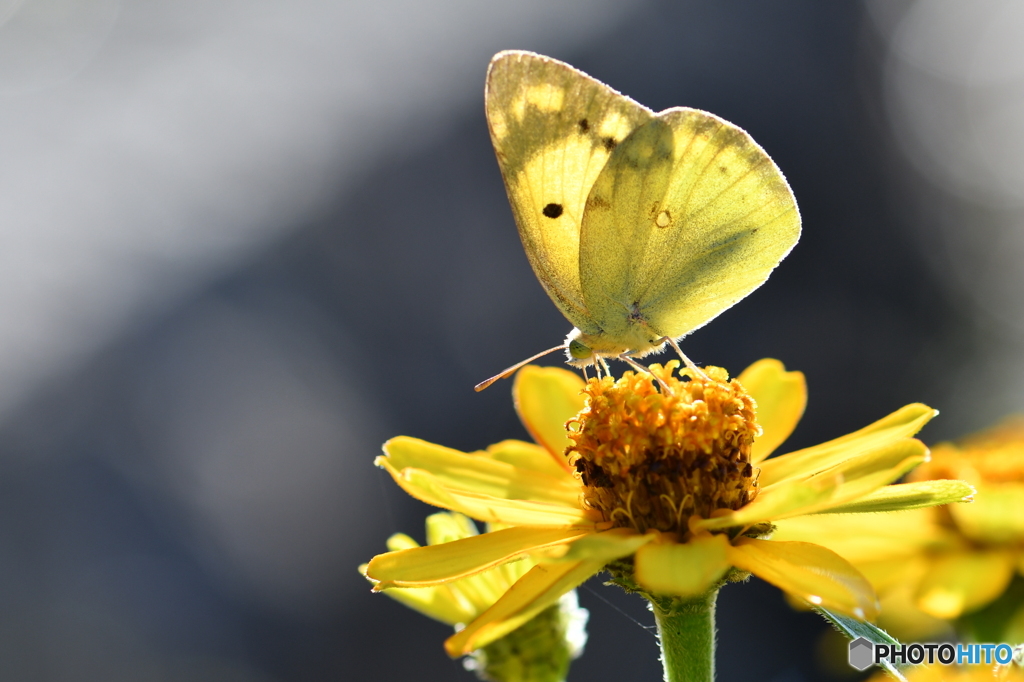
(553, 130)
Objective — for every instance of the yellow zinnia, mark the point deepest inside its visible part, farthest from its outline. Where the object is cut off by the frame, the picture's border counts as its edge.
(539, 651)
(665, 481)
(948, 561)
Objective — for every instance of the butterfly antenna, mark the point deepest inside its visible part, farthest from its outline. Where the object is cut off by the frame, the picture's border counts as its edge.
(689, 363)
(514, 368)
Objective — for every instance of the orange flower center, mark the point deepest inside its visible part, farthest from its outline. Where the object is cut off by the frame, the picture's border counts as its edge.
(652, 456)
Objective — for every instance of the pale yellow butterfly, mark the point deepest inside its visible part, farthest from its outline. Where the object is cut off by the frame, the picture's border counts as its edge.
(641, 226)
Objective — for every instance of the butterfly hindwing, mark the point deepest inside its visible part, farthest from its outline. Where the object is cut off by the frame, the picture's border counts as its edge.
(688, 216)
(553, 129)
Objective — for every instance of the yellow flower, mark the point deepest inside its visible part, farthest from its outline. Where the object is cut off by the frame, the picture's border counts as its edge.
(949, 561)
(671, 486)
(541, 649)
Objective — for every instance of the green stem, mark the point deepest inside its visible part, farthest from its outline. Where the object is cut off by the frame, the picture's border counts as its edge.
(686, 632)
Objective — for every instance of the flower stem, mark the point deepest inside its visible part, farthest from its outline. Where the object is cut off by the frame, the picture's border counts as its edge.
(686, 633)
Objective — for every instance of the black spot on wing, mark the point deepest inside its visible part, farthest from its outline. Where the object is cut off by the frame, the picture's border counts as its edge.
(552, 210)
(609, 143)
(584, 125)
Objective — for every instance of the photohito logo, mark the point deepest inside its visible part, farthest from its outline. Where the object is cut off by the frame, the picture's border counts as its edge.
(864, 653)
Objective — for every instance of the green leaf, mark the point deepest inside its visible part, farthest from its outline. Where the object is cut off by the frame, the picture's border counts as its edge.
(853, 628)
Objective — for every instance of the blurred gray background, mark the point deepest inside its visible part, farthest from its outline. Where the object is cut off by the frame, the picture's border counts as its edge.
(243, 243)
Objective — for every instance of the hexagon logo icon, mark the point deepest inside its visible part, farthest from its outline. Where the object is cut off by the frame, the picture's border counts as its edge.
(861, 654)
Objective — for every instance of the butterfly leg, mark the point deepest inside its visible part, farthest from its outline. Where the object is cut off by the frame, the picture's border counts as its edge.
(625, 357)
(689, 363)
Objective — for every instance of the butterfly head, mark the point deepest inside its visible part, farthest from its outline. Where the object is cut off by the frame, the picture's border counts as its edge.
(578, 353)
(584, 350)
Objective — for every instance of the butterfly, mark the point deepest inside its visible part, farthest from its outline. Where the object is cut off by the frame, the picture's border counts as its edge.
(641, 226)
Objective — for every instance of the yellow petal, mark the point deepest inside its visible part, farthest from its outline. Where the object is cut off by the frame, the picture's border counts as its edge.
(779, 501)
(425, 487)
(905, 621)
(546, 398)
(960, 583)
(435, 564)
(534, 592)
(781, 397)
(869, 473)
(512, 572)
(810, 572)
(436, 602)
(446, 527)
(683, 570)
(529, 456)
(841, 483)
(478, 472)
(482, 589)
(868, 463)
(904, 496)
(888, 574)
(604, 546)
(997, 515)
(868, 537)
(401, 541)
(902, 423)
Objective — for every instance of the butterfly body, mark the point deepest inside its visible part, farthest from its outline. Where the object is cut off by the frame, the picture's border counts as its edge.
(640, 226)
